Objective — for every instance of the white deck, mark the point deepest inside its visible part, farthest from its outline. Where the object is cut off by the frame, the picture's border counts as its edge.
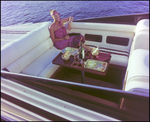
(13, 32)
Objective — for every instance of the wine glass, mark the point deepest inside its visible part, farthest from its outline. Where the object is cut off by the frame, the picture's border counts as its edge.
(76, 57)
(99, 47)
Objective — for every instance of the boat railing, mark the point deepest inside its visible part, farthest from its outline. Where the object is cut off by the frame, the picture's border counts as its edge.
(84, 88)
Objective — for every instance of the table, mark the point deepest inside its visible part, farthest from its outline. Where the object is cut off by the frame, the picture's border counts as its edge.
(105, 57)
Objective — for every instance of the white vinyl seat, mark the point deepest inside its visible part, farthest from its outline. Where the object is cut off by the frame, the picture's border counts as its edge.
(43, 64)
(119, 60)
(142, 25)
(138, 71)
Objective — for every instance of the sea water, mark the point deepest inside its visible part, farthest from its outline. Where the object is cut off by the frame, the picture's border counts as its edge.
(14, 12)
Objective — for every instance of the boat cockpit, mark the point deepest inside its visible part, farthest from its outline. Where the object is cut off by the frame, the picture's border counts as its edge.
(29, 78)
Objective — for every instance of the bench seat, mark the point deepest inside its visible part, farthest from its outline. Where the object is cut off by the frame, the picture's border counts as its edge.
(33, 53)
(43, 66)
(138, 71)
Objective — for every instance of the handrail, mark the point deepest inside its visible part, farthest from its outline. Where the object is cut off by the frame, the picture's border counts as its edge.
(85, 88)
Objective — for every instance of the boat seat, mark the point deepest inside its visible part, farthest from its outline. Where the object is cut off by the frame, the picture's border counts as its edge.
(142, 25)
(138, 44)
(138, 71)
(31, 54)
(43, 66)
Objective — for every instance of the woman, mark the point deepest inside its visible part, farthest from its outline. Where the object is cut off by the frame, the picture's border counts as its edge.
(59, 34)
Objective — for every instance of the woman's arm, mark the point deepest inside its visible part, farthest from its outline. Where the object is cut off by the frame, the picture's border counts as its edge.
(70, 19)
(51, 29)
(69, 24)
(65, 20)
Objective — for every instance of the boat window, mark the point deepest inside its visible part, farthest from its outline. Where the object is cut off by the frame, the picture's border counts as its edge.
(117, 40)
(91, 37)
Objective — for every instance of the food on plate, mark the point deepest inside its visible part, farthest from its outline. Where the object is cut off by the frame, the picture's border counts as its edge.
(71, 50)
(91, 64)
(66, 55)
(95, 51)
(95, 65)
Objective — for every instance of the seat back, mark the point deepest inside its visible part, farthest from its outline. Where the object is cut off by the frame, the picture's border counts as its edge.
(25, 44)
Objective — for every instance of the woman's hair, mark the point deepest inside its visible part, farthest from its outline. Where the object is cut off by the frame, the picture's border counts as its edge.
(51, 11)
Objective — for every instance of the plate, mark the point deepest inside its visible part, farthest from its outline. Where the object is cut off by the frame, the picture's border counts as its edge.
(102, 56)
(71, 50)
(95, 65)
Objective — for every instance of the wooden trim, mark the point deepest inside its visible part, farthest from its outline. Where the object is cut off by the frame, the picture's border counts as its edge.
(125, 81)
(122, 100)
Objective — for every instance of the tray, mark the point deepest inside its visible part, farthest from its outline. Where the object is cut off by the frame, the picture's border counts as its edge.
(95, 65)
(71, 50)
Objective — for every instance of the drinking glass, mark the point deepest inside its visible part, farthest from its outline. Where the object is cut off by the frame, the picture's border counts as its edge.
(76, 57)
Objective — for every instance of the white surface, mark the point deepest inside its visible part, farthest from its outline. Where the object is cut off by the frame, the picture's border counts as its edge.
(51, 104)
(14, 112)
(138, 70)
(104, 26)
(138, 82)
(29, 57)
(142, 25)
(42, 63)
(119, 60)
(10, 33)
(9, 54)
(140, 41)
(44, 31)
(138, 65)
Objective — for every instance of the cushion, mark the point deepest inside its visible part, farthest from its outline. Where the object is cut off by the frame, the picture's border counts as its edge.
(139, 63)
(138, 70)
(119, 60)
(9, 53)
(49, 70)
(28, 42)
(142, 25)
(141, 41)
(28, 58)
(44, 31)
(138, 82)
(42, 64)
(14, 50)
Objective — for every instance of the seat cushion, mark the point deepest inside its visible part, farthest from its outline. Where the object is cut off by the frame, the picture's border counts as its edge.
(9, 53)
(138, 83)
(41, 64)
(142, 25)
(139, 63)
(49, 70)
(44, 31)
(138, 70)
(140, 41)
(119, 60)
(18, 65)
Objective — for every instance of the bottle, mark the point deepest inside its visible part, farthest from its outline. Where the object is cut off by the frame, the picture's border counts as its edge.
(81, 52)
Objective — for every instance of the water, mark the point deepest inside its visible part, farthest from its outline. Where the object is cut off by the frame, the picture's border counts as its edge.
(14, 12)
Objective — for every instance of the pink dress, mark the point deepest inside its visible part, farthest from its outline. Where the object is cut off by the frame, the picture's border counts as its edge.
(73, 41)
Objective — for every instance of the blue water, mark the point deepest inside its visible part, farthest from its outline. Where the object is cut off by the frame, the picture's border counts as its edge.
(14, 12)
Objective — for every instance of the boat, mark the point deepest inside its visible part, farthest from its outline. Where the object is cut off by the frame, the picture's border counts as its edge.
(34, 89)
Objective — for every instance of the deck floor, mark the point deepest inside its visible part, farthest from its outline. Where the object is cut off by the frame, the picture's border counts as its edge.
(113, 78)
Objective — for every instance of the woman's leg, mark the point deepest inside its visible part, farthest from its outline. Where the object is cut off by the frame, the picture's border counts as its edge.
(84, 46)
